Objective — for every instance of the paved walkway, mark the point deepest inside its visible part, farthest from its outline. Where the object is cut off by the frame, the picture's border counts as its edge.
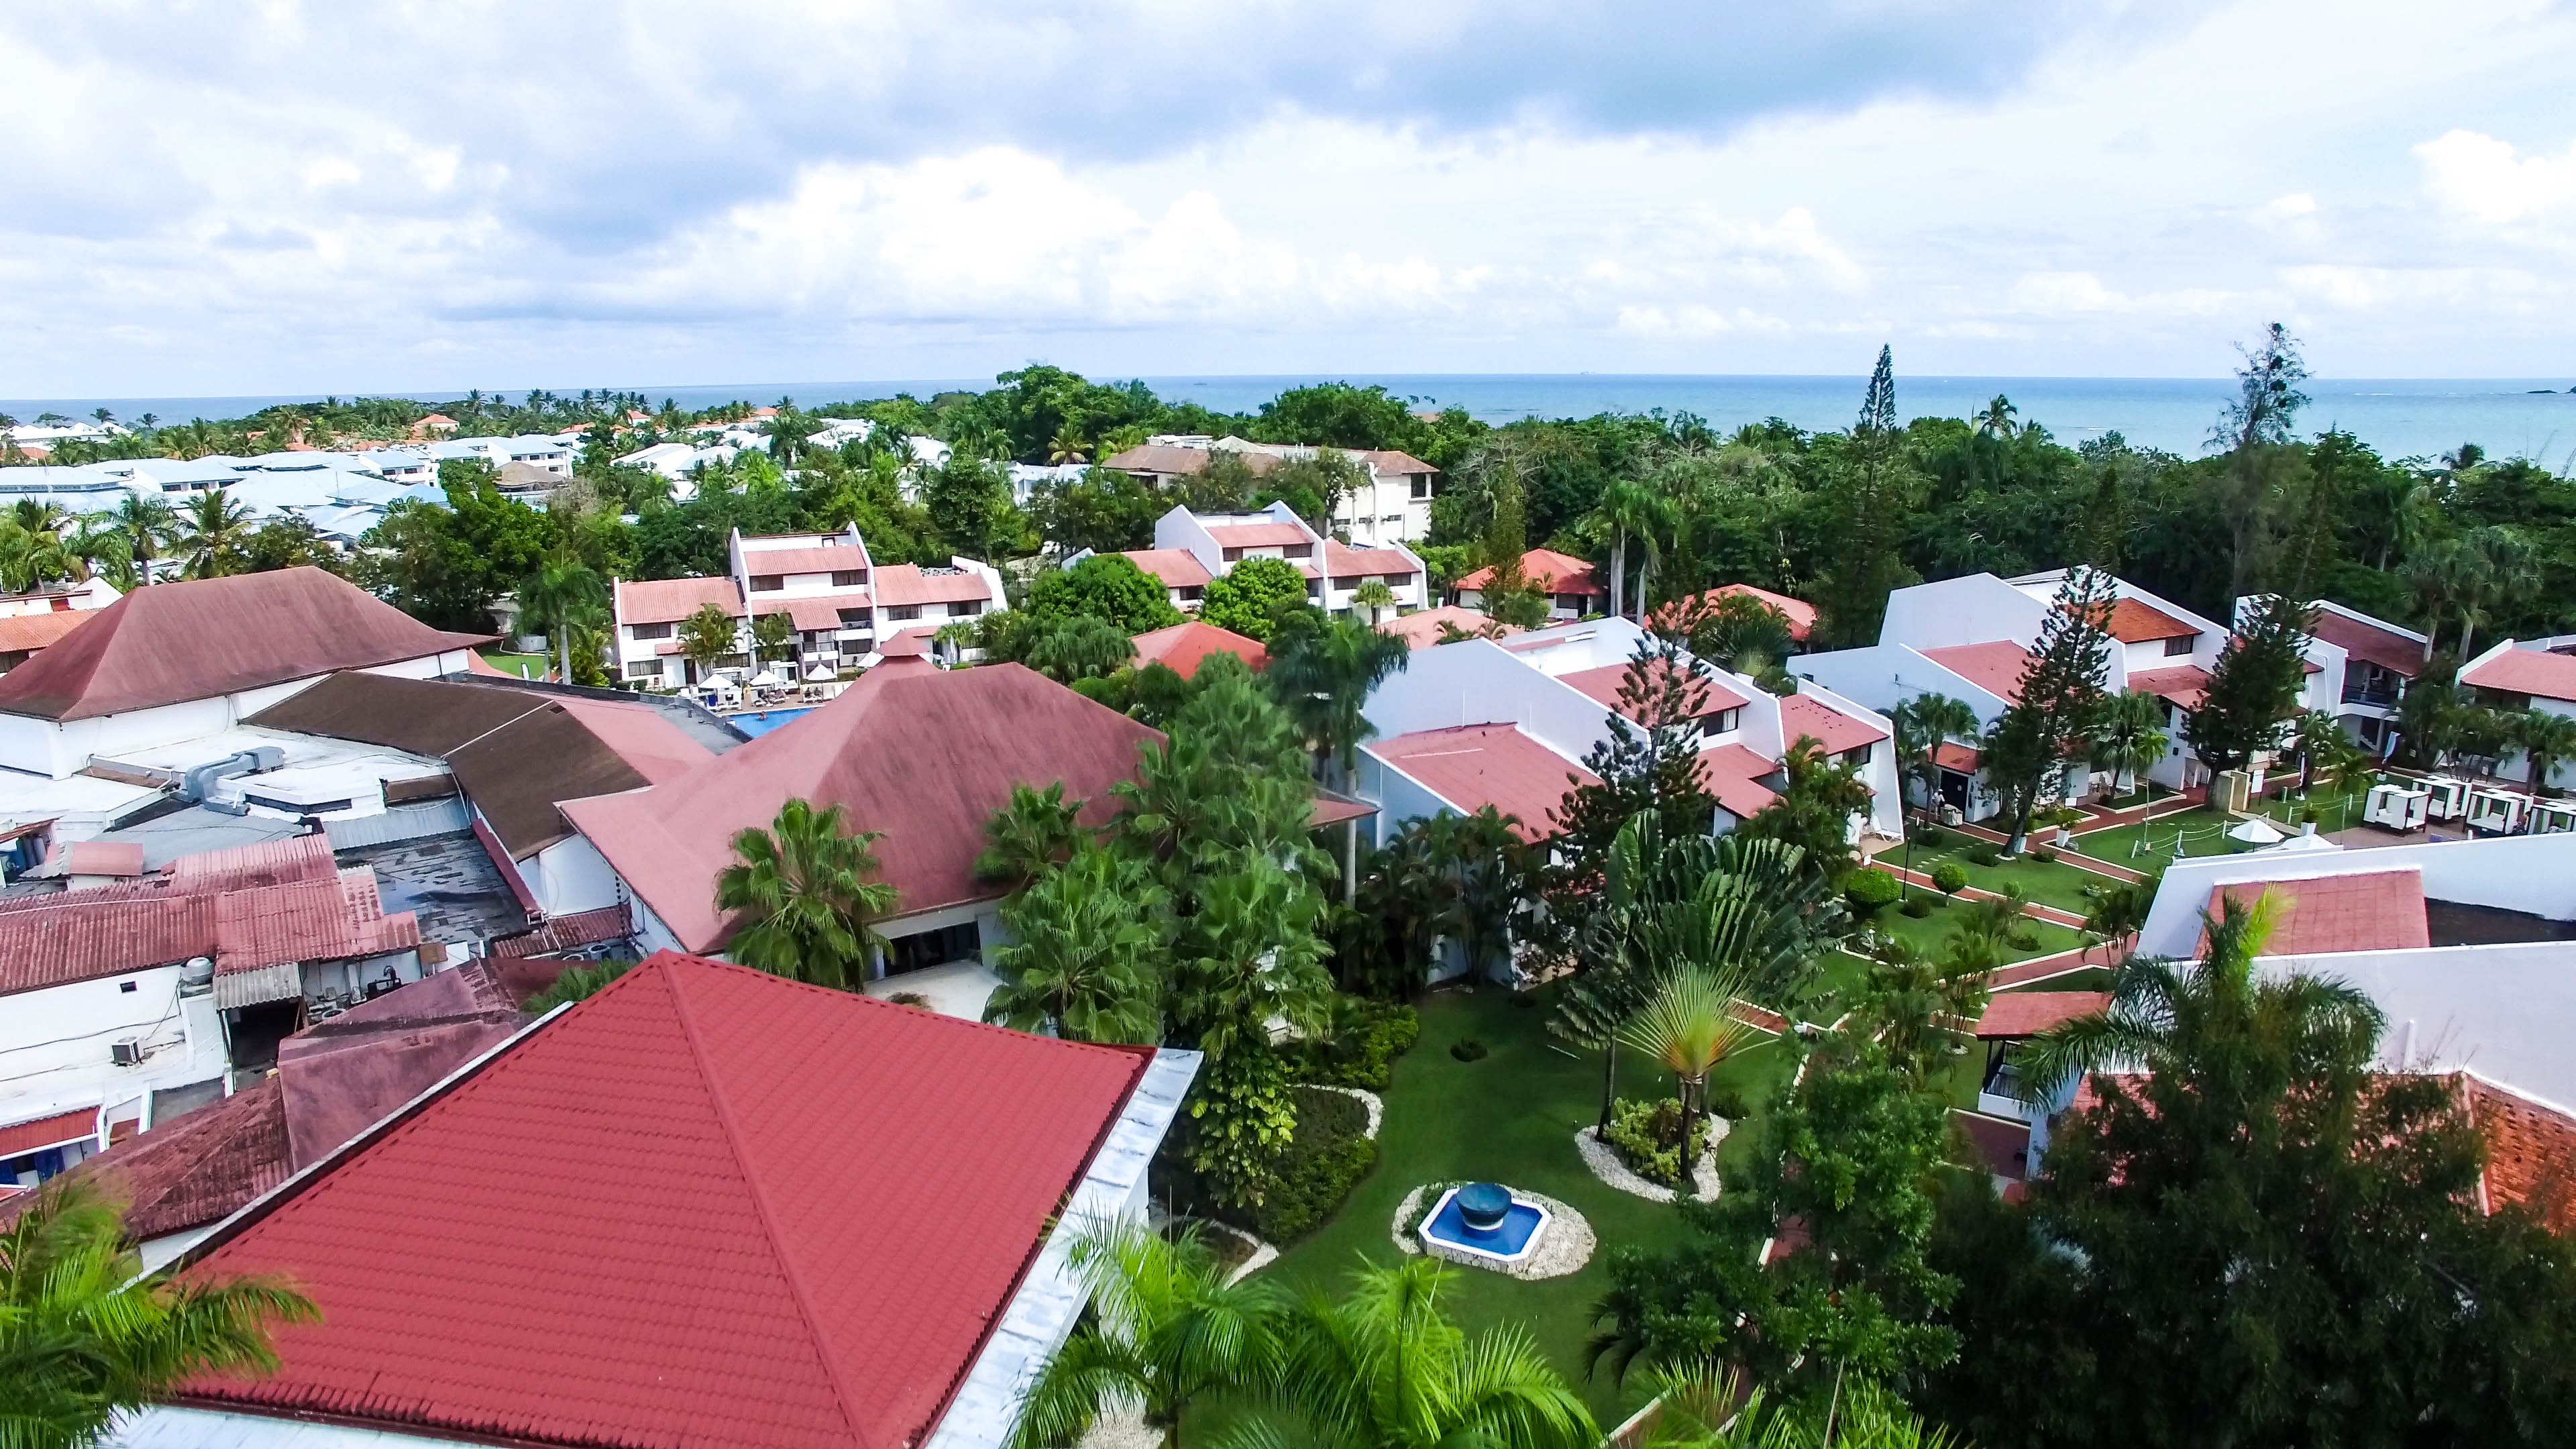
(2062, 963)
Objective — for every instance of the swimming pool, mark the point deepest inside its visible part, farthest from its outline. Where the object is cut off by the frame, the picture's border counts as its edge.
(758, 722)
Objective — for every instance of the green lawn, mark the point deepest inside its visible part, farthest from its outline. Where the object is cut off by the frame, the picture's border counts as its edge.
(520, 664)
(2048, 883)
(1511, 1118)
(1931, 931)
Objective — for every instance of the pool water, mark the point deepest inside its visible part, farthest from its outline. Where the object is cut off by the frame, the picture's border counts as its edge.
(758, 722)
(1508, 1240)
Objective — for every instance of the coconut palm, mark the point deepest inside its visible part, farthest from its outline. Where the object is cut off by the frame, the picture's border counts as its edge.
(1030, 836)
(1689, 1026)
(1374, 596)
(802, 897)
(1997, 420)
(2499, 565)
(1628, 508)
(2116, 911)
(85, 1334)
(2545, 739)
(1492, 867)
(1384, 1368)
(1706, 1406)
(1322, 675)
(213, 532)
(2130, 739)
(1923, 724)
(1088, 952)
(562, 595)
(1166, 1330)
(707, 636)
(150, 529)
(771, 637)
(1078, 647)
(2212, 1022)
(1068, 446)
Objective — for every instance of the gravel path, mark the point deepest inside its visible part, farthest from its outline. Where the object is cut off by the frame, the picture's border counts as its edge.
(1563, 1247)
(1604, 1161)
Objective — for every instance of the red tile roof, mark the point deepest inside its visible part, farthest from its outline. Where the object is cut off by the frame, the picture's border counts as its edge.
(828, 560)
(2133, 621)
(1952, 756)
(1421, 630)
(101, 857)
(1730, 773)
(2002, 1143)
(70, 936)
(924, 755)
(205, 638)
(1800, 614)
(1549, 572)
(1167, 458)
(44, 1132)
(1182, 647)
(905, 584)
(668, 601)
(1178, 568)
(1384, 563)
(1392, 460)
(2371, 642)
(2014, 1014)
(24, 633)
(1602, 686)
(1259, 535)
(1829, 727)
(715, 1245)
(2183, 684)
(1995, 668)
(2535, 672)
(200, 1168)
(818, 613)
(1473, 766)
(2531, 1153)
(2366, 911)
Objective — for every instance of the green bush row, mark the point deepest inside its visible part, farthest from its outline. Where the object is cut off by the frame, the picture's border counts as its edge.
(1326, 1157)
(1366, 1039)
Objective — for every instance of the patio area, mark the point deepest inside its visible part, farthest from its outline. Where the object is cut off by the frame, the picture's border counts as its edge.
(959, 988)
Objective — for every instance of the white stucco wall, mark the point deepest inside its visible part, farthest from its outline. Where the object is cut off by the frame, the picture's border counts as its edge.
(2507, 1012)
(55, 1043)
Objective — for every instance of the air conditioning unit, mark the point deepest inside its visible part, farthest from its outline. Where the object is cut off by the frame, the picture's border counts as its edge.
(126, 1053)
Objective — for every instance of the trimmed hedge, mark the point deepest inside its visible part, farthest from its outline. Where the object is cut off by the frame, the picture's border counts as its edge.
(1361, 1052)
(1327, 1156)
(1951, 877)
(1870, 890)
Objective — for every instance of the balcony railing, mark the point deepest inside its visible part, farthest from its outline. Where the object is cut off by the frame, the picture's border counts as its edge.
(2376, 696)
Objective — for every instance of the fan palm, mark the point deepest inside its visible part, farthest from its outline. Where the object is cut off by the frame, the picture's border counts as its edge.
(803, 899)
(1166, 1330)
(213, 532)
(84, 1334)
(1089, 952)
(1384, 1368)
(1689, 1026)
(2213, 1022)
(1030, 836)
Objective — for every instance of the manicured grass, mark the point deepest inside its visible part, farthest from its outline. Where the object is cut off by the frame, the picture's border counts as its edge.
(534, 665)
(1931, 931)
(2047, 883)
(1511, 1118)
(2206, 831)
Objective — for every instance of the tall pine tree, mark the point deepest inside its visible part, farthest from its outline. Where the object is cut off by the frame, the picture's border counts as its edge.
(2034, 742)
(2255, 688)
(1876, 487)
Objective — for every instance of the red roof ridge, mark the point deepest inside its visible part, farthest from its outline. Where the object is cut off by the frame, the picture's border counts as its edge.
(751, 1181)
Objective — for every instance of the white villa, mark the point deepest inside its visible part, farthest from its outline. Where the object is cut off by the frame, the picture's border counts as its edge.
(1190, 549)
(1392, 506)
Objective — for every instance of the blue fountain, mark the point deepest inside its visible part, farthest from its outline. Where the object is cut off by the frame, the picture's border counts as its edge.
(1484, 1225)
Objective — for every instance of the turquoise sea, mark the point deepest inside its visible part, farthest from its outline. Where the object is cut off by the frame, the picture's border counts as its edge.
(2509, 417)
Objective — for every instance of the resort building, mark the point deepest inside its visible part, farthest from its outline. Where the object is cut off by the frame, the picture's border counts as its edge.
(1392, 505)
(841, 606)
(2527, 674)
(2359, 669)
(1182, 648)
(38, 619)
(1506, 723)
(1800, 614)
(1573, 587)
(647, 1222)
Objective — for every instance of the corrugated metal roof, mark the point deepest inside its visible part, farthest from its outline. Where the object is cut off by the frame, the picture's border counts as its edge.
(204, 638)
(308, 920)
(27, 632)
(656, 1223)
(44, 1132)
(566, 933)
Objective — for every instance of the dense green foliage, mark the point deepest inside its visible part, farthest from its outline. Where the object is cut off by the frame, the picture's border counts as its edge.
(1329, 1152)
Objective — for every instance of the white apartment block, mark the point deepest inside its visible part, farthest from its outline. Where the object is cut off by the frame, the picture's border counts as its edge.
(842, 605)
(1391, 505)
(1334, 572)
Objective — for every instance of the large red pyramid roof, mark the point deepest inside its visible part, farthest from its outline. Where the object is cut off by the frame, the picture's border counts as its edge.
(171, 643)
(705, 1208)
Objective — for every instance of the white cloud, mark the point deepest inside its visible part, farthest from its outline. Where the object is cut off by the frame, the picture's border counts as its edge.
(2490, 181)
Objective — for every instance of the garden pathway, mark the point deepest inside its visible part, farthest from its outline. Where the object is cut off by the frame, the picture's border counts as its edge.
(2061, 963)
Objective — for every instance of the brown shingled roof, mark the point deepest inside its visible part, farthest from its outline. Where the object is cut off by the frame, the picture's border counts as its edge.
(1178, 568)
(205, 638)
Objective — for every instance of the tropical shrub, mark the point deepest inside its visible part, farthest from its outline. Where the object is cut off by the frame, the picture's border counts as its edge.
(1985, 853)
(1648, 1137)
(1326, 1157)
(1951, 877)
(2043, 855)
(1467, 1049)
(1366, 1038)
(1869, 890)
(1917, 906)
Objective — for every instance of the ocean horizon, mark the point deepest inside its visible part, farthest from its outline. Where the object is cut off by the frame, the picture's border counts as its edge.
(2401, 417)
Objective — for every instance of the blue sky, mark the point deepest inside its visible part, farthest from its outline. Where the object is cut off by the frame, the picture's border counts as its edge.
(283, 197)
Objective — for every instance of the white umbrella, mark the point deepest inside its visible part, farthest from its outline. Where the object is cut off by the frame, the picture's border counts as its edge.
(2257, 831)
(817, 673)
(2301, 845)
(766, 678)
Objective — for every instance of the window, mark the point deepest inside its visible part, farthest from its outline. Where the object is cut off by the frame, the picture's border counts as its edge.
(1302, 550)
(1191, 593)
(1725, 720)
(650, 631)
(1856, 757)
(854, 618)
(644, 669)
(2180, 644)
(1421, 486)
(125, 986)
(765, 583)
(966, 608)
(1234, 555)
(934, 948)
(1349, 581)
(902, 612)
(849, 578)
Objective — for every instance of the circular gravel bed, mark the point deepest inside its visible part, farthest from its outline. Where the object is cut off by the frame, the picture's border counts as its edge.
(1564, 1248)
(1376, 1104)
(1604, 1161)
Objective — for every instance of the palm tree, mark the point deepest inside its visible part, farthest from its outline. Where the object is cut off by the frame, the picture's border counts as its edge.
(803, 897)
(1322, 676)
(562, 595)
(1705, 1406)
(1689, 1026)
(2130, 739)
(1030, 836)
(1384, 1368)
(1997, 420)
(212, 534)
(1374, 596)
(1166, 1330)
(1081, 646)
(150, 528)
(2215, 1022)
(1492, 869)
(2545, 739)
(708, 635)
(86, 1335)
(1628, 507)
(771, 636)
(1923, 724)
(2116, 911)
(2506, 568)
(1088, 955)
(1916, 1006)
(1068, 446)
